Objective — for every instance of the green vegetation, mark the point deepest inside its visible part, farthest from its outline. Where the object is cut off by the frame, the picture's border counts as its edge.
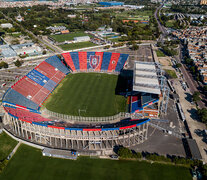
(68, 37)
(3, 65)
(171, 73)
(196, 96)
(170, 23)
(7, 144)
(160, 53)
(92, 92)
(28, 163)
(202, 113)
(79, 45)
(18, 63)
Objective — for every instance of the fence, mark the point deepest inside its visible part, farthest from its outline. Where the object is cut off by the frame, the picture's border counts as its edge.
(86, 119)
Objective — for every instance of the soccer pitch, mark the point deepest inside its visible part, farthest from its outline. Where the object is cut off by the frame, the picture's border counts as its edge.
(28, 163)
(87, 94)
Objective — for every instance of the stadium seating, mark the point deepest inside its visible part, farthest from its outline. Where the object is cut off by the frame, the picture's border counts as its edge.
(50, 85)
(121, 62)
(69, 61)
(56, 62)
(83, 60)
(89, 54)
(40, 95)
(106, 60)
(25, 115)
(27, 87)
(46, 69)
(13, 97)
(100, 54)
(114, 61)
(38, 77)
(75, 58)
(136, 104)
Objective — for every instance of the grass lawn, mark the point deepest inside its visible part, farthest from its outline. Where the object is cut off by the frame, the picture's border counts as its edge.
(93, 92)
(68, 37)
(171, 73)
(79, 45)
(160, 53)
(7, 144)
(170, 23)
(28, 163)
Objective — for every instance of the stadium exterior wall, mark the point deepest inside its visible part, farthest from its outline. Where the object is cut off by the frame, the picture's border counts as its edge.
(75, 139)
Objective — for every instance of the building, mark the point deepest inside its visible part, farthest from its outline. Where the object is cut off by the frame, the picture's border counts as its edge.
(7, 52)
(111, 3)
(6, 25)
(203, 2)
(28, 48)
(82, 38)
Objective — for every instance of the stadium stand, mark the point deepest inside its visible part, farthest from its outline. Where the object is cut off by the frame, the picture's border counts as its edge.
(27, 87)
(89, 55)
(56, 62)
(83, 60)
(15, 98)
(114, 61)
(40, 96)
(75, 58)
(46, 69)
(69, 61)
(121, 62)
(38, 77)
(50, 85)
(106, 60)
(25, 115)
(100, 54)
(136, 104)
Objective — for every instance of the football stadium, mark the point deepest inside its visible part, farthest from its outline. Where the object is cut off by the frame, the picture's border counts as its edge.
(87, 101)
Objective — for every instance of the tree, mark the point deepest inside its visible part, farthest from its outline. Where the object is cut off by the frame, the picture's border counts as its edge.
(178, 65)
(202, 113)
(205, 88)
(125, 152)
(3, 65)
(196, 96)
(134, 47)
(18, 63)
(44, 52)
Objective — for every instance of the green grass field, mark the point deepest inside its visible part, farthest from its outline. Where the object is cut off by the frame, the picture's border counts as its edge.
(7, 144)
(160, 53)
(68, 37)
(29, 164)
(92, 92)
(79, 45)
(171, 73)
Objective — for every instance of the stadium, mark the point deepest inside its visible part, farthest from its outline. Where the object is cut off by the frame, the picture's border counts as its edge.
(87, 101)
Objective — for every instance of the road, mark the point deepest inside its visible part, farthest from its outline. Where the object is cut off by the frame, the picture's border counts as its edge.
(193, 86)
(161, 28)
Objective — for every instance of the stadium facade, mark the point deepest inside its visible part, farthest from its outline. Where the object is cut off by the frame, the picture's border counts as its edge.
(24, 119)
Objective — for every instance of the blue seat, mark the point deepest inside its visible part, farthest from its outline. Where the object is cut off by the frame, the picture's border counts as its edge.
(56, 62)
(106, 60)
(38, 77)
(122, 59)
(12, 96)
(50, 85)
(75, 58)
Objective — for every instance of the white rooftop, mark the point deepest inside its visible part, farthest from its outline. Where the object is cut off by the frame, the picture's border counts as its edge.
(145, 78)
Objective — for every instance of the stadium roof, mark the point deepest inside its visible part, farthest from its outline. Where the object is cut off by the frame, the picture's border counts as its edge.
(145, 78)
